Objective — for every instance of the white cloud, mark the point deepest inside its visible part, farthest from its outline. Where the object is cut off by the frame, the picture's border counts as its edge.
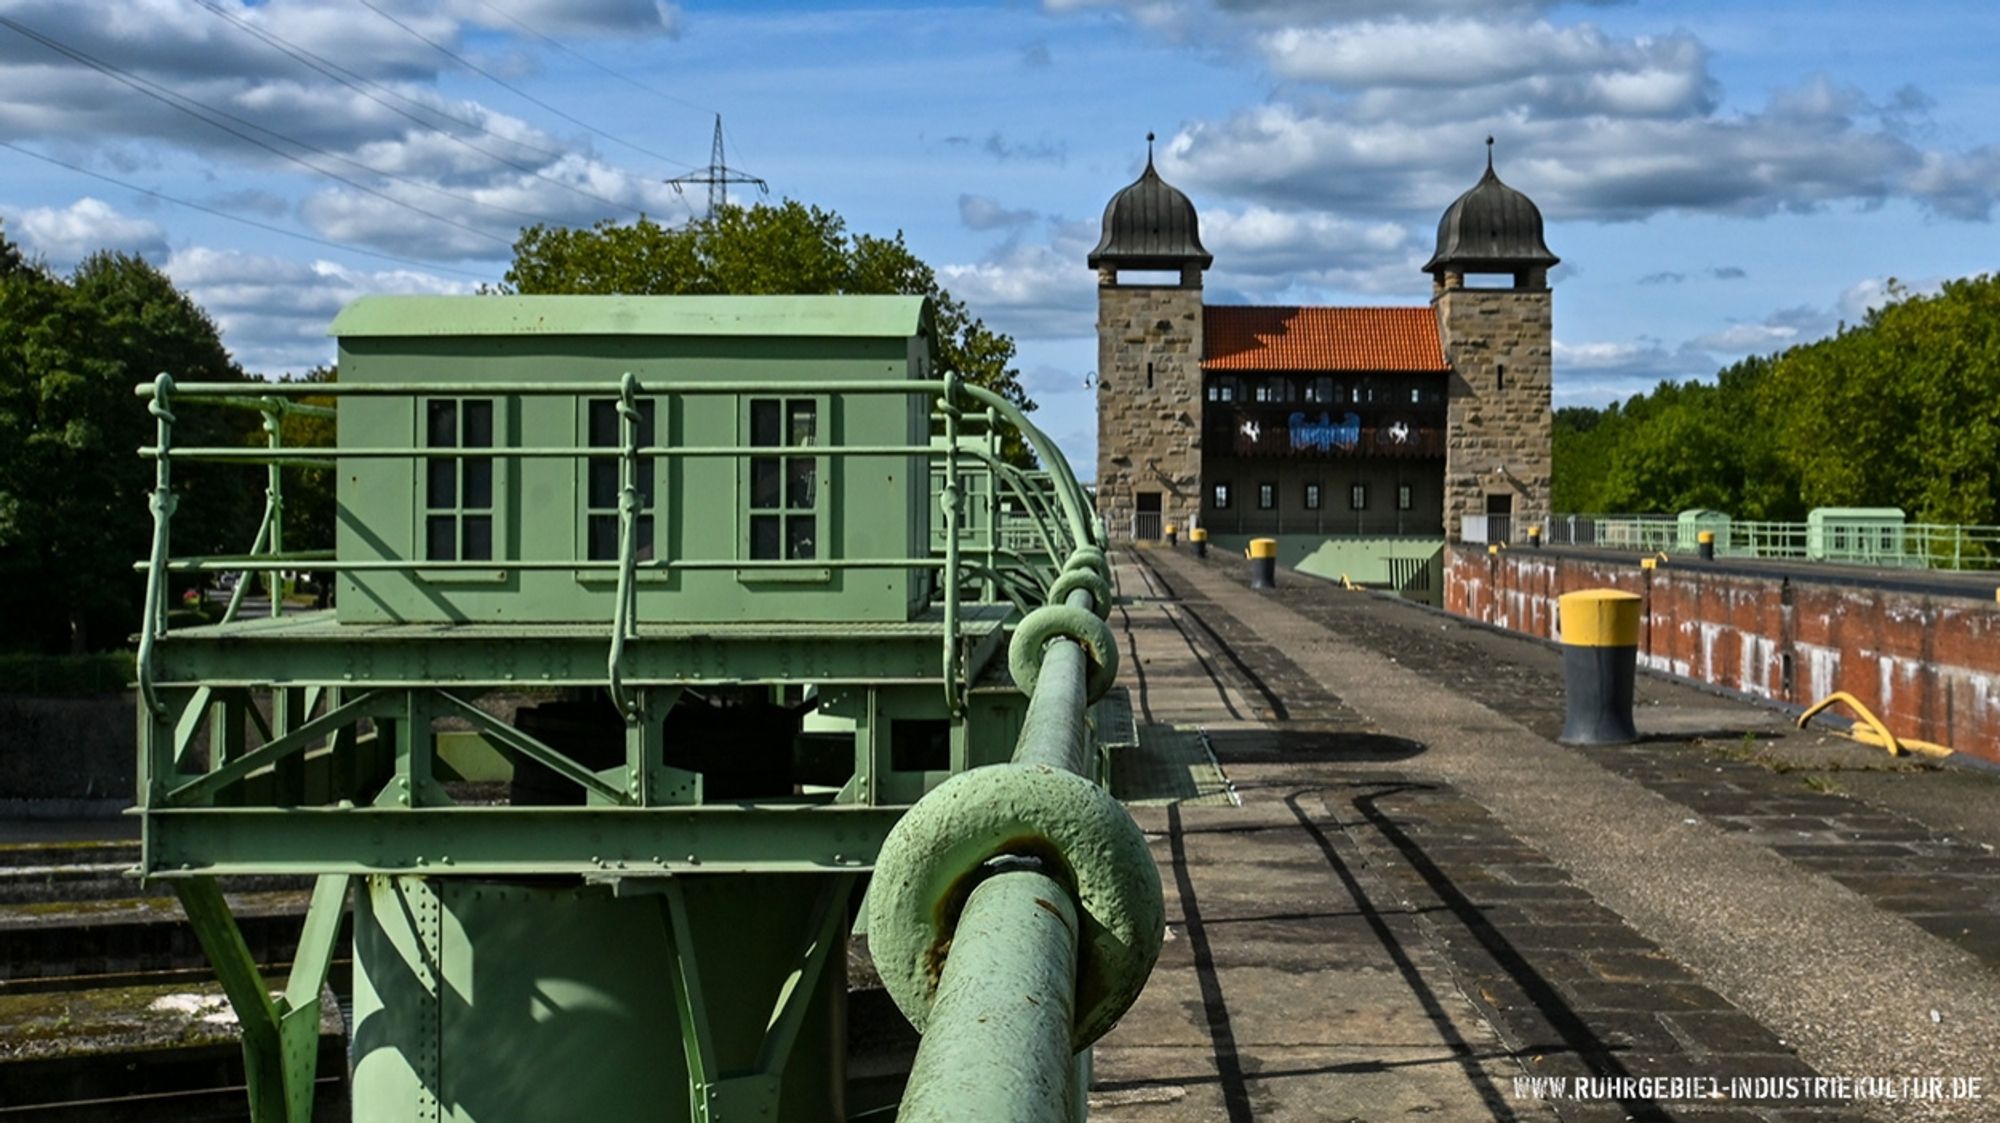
(267, 112)
(980, 212)
(575, 17)
(274, 312)
(69, 234)
(1038, 291)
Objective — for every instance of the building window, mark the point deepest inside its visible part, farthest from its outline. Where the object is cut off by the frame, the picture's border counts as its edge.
(1403, 502)
(1228, 391)
(1149, 376)
(1221, 497)
(603, 484)
(1312, 497)
(1266, 390)
(458, 490)
(1499, 377)
(1416, 394)
(1357, 497)
(784, 490)
(1267, 496)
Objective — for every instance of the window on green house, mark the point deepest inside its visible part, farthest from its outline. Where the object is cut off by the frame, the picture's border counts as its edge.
(784, 489)
(458, 490)
(603, 482)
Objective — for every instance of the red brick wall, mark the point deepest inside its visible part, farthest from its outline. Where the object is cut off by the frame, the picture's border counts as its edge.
(1929, 666)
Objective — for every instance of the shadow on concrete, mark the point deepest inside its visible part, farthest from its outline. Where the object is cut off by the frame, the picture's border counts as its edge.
(1318, 746)
(1576, 1035)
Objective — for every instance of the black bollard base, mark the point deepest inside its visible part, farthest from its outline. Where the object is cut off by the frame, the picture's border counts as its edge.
(1597, 685)
(1263, 573)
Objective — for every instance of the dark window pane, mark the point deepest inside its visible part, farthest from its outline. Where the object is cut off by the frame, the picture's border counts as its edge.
(603, 483)
(764, 422)
(800, 472)
(604, 424)
(764, 481)
(645, 473)
(443, 488)
(478, 538)
(802, 423)
(443, 427)
(479, 484)
(601, 533)
(441, 538)
(799, 533)
(647, 413)
(644, 550)
(478, 423)
(764, 537)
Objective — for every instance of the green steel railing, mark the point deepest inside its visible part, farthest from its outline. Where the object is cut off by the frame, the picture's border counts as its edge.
(1054, 504)
(1909, 545)
(1036, 848)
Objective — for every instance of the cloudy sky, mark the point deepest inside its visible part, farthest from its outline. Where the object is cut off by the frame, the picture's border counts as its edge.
(1721, 178)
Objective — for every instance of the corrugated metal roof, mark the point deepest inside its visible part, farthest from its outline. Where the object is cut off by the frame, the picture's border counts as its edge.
(1250, 337)
(822, 316)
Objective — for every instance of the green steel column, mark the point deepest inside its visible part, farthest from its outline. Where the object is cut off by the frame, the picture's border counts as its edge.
(997, 1046)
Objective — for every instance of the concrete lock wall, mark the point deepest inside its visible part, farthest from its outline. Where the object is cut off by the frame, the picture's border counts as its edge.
(1927, 664)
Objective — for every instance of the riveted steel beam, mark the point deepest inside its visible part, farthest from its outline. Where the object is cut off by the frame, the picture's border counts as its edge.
(508, 841)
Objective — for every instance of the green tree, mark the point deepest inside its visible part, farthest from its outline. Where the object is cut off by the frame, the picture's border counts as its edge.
(1903, 410)
(73, 508)
(787, 247)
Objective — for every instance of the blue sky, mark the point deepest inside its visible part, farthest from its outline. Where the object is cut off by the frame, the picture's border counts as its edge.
(1720, 179)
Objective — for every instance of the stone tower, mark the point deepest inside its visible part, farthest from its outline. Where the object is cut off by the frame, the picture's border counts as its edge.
(1149, 350)
(1497, 337)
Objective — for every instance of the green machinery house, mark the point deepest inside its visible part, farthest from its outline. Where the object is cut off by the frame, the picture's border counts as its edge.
(660, 626)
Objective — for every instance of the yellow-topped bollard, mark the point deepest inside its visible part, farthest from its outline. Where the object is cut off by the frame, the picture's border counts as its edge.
(1600, 635)
(1535, 537)
(1173, 536)
(1705, 544)
(1199, 536)
(1263, 555)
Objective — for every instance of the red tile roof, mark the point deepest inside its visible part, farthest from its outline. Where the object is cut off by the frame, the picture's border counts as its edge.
(1249, 337)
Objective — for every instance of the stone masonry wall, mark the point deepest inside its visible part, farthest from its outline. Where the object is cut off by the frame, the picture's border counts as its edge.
(1498, 435)
(1148, 438)
(1927, 663)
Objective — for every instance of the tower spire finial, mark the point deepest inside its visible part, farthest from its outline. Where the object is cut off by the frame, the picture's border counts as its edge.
(1149, 149)
(1489, 153)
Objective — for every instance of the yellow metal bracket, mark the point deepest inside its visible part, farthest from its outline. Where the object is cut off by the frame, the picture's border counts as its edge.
(1869, 729)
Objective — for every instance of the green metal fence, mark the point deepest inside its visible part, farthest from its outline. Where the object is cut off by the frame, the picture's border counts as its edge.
(1851, 542)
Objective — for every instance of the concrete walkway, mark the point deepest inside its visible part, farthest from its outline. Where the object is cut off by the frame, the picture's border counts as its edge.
(1423, 906)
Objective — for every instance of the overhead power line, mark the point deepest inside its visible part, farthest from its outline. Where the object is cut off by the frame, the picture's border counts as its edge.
(516, 90)
(718, 175)
(122, 77)
(162, 93)
(377, 93)
(237, 218)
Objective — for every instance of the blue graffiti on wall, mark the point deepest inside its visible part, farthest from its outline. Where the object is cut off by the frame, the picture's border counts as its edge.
(1325, 434)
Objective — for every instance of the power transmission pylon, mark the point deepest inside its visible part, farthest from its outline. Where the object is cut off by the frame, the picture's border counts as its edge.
(718, 175)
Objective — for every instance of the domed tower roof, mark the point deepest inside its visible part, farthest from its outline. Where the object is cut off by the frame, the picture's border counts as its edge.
(1150, 225)
(1490, 229)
